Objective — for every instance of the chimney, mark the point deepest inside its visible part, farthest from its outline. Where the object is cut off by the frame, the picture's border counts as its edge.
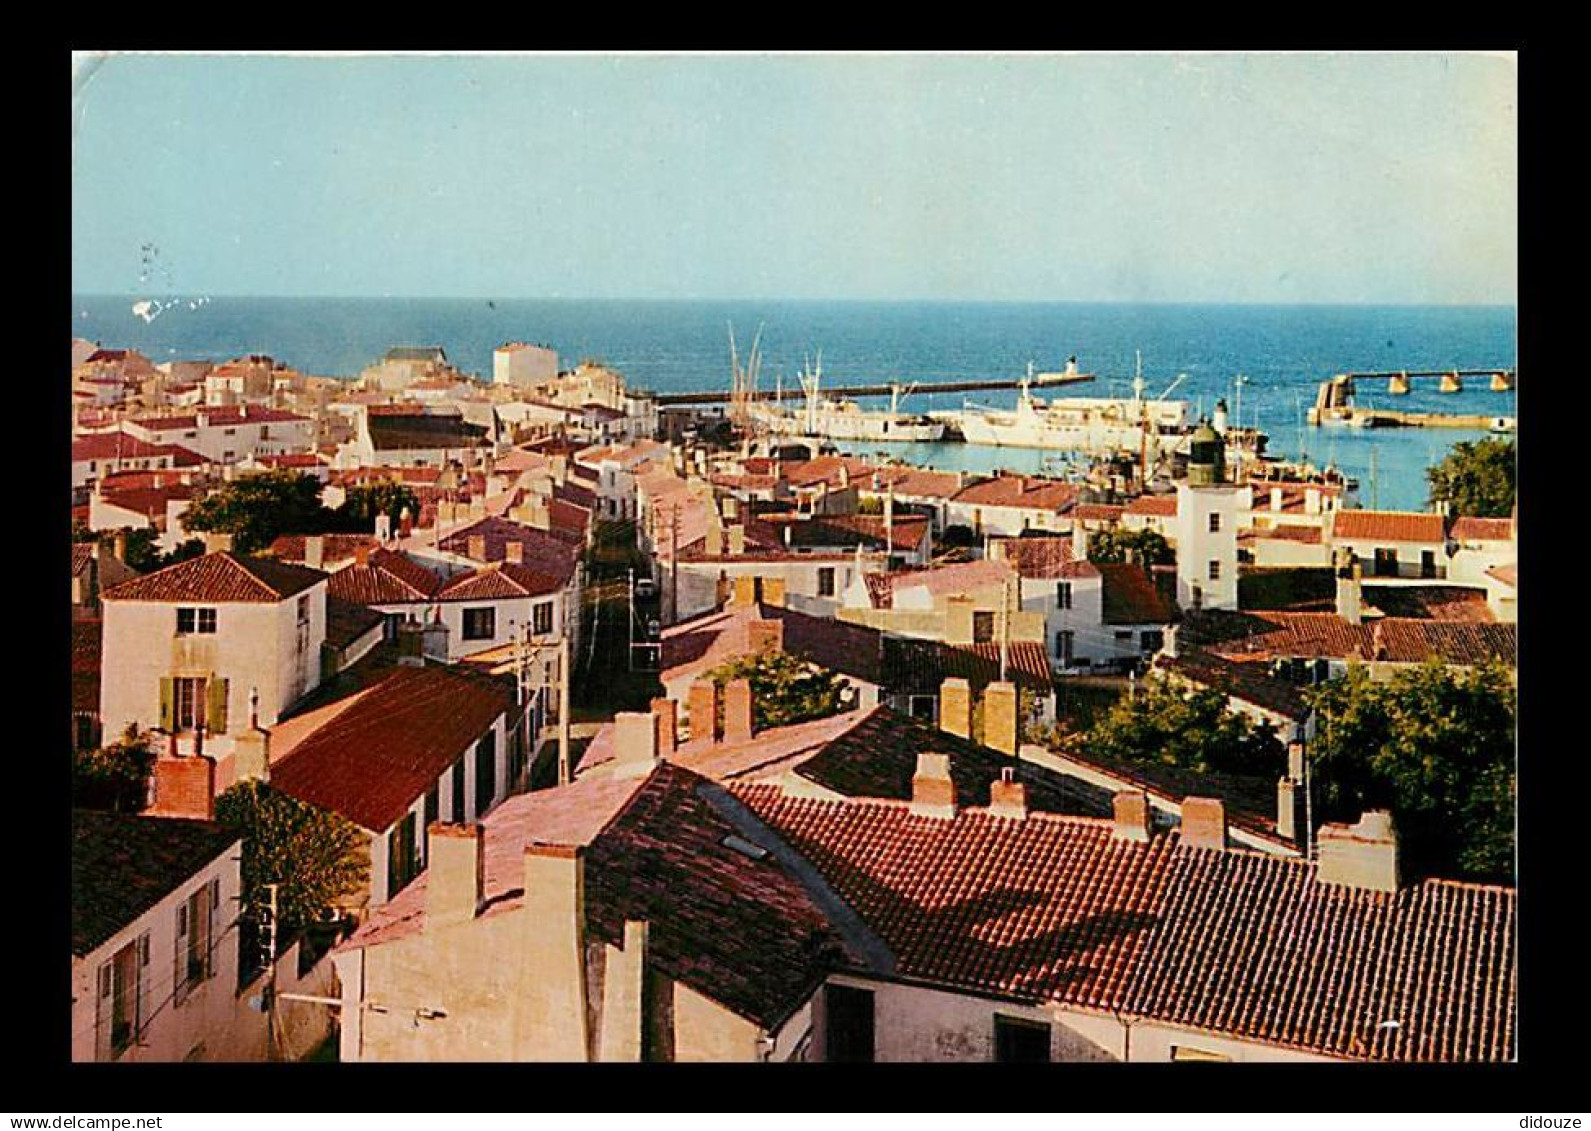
(1001, 728)
(1289, 800)
(959, 619)
(955, 707)
(1311, 500)
(773, 591)
(456, 863)
(1276, 498)
(476, 546)
(1008, 797)
(634, 744)
(405, 523)
(1295, 761)
(383, 528)
(560, 469)
(745, 590)
(1360, 856)
(215, 543)
(1348, 591)
(788, 531)
(1079, 541)
(1130, 808)
(184, 787)
(737, 539)
(553, 945)
(737, 711)
(715, 539)
(251, 754)
(1204, 823)
(933, 793)
(433, 639)
(703, 710)
(766, 635)
(666, 712)
(514, 553)
(315, 552)
(411, 644)
(119, 546)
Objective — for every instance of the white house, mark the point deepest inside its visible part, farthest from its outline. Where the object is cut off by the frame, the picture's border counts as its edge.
(523, 366)
(227, 435)
(1206, 523)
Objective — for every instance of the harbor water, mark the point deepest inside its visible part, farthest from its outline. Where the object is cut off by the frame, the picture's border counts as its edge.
(1282, 352)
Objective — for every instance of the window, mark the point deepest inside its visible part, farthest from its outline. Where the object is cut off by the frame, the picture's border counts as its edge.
(485, 772)
(403, 862)
(303, 609)
(922, 707)
(826, 581)
(189, 702)
(1123, 636)
(541, 618)
(1427, 564)
(480, 624)
(389, 627)
(982, 628)
(121, 998)
(1386, 563)
(458, 791)
(1151, 641)
(849, 1025)
(1018, 1041)
(1063, 594)
(1063, 647)
(1215, 523)
(1215, 571)
(195, 920)
(433, 798)
(1188, 1052)
(191, 621)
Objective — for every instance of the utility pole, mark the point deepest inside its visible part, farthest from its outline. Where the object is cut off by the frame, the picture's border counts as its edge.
(270, 988)
(565, 770)
(1005, 627)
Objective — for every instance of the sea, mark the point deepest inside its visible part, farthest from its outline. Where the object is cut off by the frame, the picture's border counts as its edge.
(1281, 353)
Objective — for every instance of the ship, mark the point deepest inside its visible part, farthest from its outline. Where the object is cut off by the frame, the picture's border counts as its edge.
(837, 418)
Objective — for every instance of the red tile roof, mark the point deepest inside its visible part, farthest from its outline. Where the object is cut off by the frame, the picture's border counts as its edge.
(1277, 634)
(1097, 512)
(914, 482)
(121, 445)
(1163, 506)
(1042, 558)
(220, 417)
(499, 581)
(1309, 535)
(843, 531)
(920, 666)
(217, 578)
(1246, 945)
(87, 639)
(1131, 596)
(543, 550)
(389, 578)
(1020, 491)
(1467, 529)
(1386, 526)
(148, 501)
(334, 547)
(705, 642)
(372, 761)
(947, 580)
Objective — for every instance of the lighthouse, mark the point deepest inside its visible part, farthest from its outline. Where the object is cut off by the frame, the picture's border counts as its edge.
(1208, 507)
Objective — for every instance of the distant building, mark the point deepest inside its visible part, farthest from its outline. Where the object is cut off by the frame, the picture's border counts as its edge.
(521, 365)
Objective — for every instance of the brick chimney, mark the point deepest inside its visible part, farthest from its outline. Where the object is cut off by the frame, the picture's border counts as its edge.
(634, 744)
(552, 917)
(1008, 797)
(1130, 807)
(955, 707)
(184, 787)
(514, 553)
(1364, 855)
(315, 552)
(737, 711)
(476, 546)
(933, 793)
(766, 635)
(1204, 823)
(1000, 717)
(666, 712)
(703, 710)
(456, 884)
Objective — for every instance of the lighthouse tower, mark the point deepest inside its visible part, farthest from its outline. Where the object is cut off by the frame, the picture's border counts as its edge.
(1206, 525)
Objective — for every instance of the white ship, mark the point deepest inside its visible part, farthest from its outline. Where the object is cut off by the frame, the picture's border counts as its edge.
(833, 418)
(1094, 425)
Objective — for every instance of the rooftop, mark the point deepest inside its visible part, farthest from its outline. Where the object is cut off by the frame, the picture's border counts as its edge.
(219, 577)
(1387, 526)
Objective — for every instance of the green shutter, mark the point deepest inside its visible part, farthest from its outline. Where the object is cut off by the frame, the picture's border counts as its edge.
(215, 713)
(168, 706)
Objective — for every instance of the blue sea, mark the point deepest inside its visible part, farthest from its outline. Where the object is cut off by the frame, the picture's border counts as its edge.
(1283, 352)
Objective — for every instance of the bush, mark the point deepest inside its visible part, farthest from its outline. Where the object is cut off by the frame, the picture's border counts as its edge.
(115, 777)
(784, 689)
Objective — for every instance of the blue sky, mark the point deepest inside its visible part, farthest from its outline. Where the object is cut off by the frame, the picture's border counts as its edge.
(1044, 177)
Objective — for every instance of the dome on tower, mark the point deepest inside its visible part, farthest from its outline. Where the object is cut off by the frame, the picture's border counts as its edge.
(1206, 456)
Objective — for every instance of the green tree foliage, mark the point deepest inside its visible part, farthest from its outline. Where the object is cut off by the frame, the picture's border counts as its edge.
(362, 504)
(1435, 745)
(784, 689)
(1146, 547)
(143, 549)
(256, 508)
(1477, 478)
(316, 857)
(1161, 723)
(115, 777)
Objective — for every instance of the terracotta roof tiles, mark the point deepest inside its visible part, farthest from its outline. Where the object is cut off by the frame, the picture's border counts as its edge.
(219, 577)
(1386, 526)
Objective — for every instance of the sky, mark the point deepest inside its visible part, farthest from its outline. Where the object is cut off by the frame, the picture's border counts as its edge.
(1243, 178)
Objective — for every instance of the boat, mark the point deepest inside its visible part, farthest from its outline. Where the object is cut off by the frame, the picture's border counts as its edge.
(837, 418)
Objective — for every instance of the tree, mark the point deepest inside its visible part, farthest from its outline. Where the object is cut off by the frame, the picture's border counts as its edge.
(115, 777)
(1477, 478)
(1435, 745)
(1163, 724)
(317, 858)
(363, 503)
(784, 689)
(1146, 547)
(255, 509)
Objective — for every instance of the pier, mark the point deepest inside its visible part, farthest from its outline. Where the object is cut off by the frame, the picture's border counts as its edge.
(1334, 399)
(717, 396)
